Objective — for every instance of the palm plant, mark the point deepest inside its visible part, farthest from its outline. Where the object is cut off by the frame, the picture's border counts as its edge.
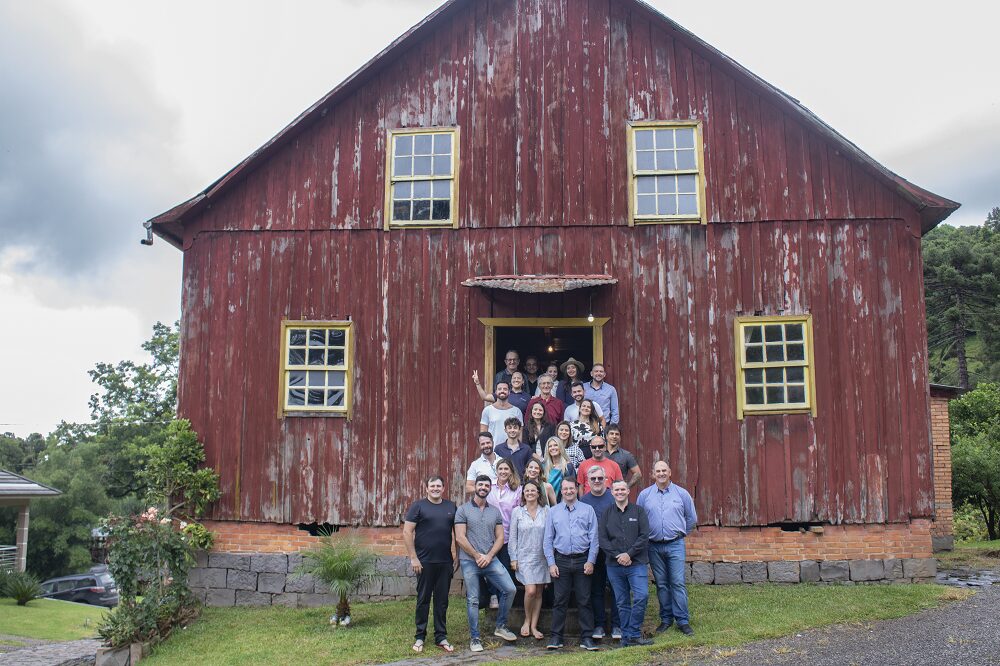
(344, 566)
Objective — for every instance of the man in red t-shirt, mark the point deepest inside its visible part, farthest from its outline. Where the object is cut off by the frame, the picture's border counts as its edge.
(612, 471)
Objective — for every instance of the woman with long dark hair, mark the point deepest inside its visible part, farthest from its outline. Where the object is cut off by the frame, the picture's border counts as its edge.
(527, 559)
(537, 429)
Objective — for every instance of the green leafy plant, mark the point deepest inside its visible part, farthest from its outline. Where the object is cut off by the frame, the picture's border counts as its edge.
(5, 575)
(343, 565)
(969, 524)
(199, 537)
(975, 453)
(23, 587)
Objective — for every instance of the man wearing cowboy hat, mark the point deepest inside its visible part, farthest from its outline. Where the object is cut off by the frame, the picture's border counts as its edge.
(566, 385)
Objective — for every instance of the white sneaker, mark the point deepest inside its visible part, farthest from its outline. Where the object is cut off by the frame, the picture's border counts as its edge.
(475, 645)
(616, 632)
(494, 602)
(504, 633)
(598, 633)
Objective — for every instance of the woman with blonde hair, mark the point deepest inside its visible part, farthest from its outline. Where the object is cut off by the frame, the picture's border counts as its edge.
(527, 532)
(557, 465)
(533, 472)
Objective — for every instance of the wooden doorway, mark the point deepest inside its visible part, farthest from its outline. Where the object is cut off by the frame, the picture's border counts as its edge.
(566, 336)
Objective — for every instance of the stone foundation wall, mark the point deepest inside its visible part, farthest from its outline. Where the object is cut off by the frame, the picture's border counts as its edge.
(942, 532)
(253, 563)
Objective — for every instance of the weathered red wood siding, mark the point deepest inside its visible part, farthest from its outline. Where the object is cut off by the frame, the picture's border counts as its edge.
(541, 90)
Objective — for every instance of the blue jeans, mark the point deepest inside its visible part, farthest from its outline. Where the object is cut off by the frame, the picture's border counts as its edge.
(667, 562)
(597, 586)
(497, 576)
(631, 586)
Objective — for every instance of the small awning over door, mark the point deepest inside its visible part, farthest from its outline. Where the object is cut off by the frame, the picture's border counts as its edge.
(539, 284)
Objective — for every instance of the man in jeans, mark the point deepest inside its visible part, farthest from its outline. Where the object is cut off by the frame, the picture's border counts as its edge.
(570, 546)
(624, 537)
(479, 535)
(600, 500)
(671, 517)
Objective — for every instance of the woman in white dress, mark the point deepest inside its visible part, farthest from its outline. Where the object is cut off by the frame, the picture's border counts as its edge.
(527, 531)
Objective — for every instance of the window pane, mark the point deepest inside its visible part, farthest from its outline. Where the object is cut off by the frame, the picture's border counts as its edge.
(442, 189)
(685, 159)
(666, 204)
(686, 184)
(646, 204)
(317, 337)
(316, 397)
(755, 354)
(316, 357)
(404, 145)
(297, 337)
(775, 353)
(296, 397)
(665, 184)
(645, 185)
(296, 357)
(795, 374)
(334, 398)
(665, 138)
(442, 166)
(402, 190)
(422, 209)
(337, 337)
(335, 378)
(401, 166)
(793, 331)
(685, 137)
(772, 332)
(751, 334)
(665, 159)
(441, 210)
(401, 210)
(422, 189)
(755, 395)
(421, 166)
(796, 394)
(297, 378)
(644, 161)
(796, 352)
(422, 144)
(775, 375)
(687, 204)
(643, 139)
(442, 144)
(317, 379)
(335, 357)
(753, 376)
(775, 394)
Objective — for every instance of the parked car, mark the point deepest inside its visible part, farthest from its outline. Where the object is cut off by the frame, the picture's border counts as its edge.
(95, 587)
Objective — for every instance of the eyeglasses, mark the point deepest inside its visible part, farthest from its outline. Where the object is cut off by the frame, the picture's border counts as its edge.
(597, 478)
(598, 447)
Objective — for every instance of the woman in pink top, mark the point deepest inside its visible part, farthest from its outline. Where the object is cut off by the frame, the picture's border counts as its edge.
(505, 496)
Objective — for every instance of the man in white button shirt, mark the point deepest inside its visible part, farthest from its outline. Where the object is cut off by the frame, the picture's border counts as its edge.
(572, 413)
(485, 464)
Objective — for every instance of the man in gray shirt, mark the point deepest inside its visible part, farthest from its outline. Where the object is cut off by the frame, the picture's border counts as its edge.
(479, 535)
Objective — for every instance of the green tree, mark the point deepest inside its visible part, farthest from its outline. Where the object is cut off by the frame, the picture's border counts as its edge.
(20, 455)
(975, 453)
(962, 284)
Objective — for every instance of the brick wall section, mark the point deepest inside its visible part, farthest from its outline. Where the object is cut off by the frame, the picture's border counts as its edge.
(941, 441)
(708, 544)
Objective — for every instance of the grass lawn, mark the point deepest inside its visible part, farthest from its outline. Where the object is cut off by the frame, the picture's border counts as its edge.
(49, 619)
(972, 554)
(723, 616)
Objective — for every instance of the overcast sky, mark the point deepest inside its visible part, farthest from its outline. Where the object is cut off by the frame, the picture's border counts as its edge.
(113, 111)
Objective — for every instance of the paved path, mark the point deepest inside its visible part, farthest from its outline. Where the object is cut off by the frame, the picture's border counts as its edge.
(966, 633)
(47, 653)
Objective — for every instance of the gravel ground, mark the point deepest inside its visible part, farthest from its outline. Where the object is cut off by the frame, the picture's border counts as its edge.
(966, 633)
(51, 654)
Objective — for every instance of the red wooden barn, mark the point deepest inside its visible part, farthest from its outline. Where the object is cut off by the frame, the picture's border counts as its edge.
(585, 176)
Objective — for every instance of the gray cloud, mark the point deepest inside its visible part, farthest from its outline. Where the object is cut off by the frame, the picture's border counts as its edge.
(83, 150)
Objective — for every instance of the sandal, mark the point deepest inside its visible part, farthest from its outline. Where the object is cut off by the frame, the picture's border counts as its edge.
(537, 635)
(446, 646)
(418, 645)
(524, 632)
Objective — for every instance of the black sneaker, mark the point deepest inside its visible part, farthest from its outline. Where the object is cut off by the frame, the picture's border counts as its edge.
(588, 644)
(663, 627)
(641, 641)
(554, 644)
(686, 629)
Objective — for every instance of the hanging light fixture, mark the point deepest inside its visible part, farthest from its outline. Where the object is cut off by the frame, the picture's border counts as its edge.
(590, 309)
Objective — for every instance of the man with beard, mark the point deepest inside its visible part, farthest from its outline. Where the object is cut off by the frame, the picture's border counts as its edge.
(479, 535)
(604, 395)
(484, 465)
(626, 461)
(572, 412)
(495, 415)
(428, 532)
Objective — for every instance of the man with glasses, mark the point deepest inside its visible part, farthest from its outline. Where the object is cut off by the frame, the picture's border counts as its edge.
(553, 406)
(612, 472)
(511, 361)
(624, 537)
(600, 500)
(671, 517)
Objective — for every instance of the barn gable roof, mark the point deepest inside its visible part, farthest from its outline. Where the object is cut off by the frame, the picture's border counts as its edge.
(931, 207)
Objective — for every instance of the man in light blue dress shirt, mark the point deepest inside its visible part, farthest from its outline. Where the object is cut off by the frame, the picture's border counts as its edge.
(603, 395)
(570, 546)
(671, 517)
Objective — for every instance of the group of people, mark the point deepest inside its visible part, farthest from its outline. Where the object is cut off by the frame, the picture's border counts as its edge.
(550, 505)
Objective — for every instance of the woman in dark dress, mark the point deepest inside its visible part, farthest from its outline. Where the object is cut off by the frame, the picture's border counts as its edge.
(537, 429)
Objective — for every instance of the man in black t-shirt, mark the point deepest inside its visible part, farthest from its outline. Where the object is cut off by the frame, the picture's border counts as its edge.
(429, 533)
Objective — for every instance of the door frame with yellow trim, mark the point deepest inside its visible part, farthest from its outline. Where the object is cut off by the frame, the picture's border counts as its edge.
(492, 323)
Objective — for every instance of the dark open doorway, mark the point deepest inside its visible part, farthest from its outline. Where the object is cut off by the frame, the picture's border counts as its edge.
(546, 344)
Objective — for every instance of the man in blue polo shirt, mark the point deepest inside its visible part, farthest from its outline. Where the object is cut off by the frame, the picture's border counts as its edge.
(671, 517)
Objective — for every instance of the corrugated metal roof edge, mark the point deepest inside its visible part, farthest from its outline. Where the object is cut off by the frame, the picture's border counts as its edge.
(932, 208)
(45, 490)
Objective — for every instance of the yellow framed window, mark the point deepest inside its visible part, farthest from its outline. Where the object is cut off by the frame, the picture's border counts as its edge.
(776, 369)
(316, 368)
(422, 178)
(666, 172)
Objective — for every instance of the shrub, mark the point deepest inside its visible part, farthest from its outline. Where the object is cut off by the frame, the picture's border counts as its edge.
(343, 565)
(969, 524)
(23, 587)
(5, 575)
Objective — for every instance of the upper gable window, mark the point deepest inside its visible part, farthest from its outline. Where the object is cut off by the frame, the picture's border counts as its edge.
(666, 172)
(776, 368)
(422, 182)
